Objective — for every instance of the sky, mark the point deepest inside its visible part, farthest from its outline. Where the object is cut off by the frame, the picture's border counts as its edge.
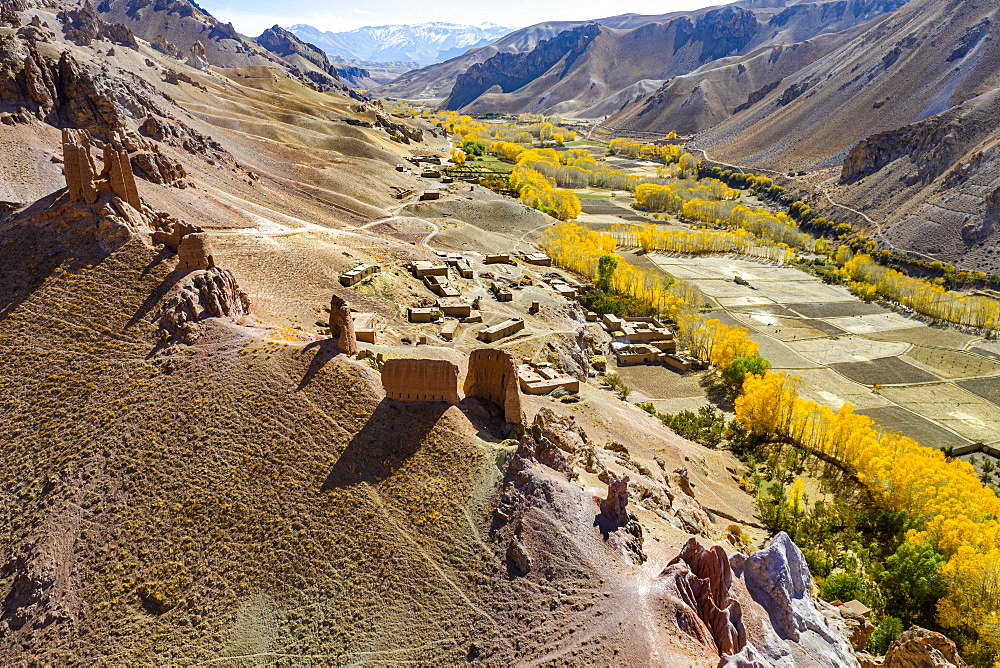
(252, 17)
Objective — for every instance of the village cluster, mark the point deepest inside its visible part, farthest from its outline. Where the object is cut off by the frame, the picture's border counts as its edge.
(639, 340)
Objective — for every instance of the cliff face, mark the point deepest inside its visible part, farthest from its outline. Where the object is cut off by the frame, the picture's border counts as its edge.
(931, 146)
(722, 32)
(511, 71)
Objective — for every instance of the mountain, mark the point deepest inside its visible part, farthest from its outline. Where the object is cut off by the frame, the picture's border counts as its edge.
(900, 123)
(436, 81)
(176, 25)
(310, 59)
(424, 43)
(593, 70)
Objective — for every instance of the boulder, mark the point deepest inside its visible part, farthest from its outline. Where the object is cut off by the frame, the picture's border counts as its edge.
(919, 648)
(210, 293)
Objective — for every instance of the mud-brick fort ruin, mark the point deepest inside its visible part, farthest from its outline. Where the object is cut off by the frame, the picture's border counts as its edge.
(492, 376)
(420, 380)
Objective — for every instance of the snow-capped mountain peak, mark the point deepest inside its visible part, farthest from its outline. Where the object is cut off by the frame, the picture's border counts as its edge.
(424, 43)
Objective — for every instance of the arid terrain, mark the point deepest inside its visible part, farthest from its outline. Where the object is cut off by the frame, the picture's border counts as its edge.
(200, 461)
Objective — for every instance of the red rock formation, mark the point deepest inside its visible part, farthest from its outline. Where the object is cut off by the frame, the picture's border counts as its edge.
(420, 380)
(493, 376)
(708, 613)
(342, 327)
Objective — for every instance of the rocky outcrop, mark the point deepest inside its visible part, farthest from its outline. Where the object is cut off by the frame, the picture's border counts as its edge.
(177, 134)
(778, 579)
(932, 146)
(752, 611)
(563, 431)
(309, 58)
(82, 26)
(164, 46)
(157, 168)
(28, 596)
(707, 609)
(510, 71)
(196, 56)
(492, 376)
(518, 554)
(342, 326)
(209, 293)
(171, 232)
(613, 507)
(542, 450)
(400, 132)
(919, 648)
(62, 91)
(721, 32)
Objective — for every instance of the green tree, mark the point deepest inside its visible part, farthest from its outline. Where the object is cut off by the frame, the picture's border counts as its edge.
(911, 582)
(605, 272)
(737, 371)
(474, 148)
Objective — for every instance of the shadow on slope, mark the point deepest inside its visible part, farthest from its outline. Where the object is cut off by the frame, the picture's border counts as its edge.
(393, 434)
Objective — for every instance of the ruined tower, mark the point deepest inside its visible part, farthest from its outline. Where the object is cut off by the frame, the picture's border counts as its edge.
(493, 376)
(194, 251)
(118, 172)
(342, 325)
(83, 183)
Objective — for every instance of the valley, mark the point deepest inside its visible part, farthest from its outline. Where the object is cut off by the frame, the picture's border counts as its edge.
(504, 361)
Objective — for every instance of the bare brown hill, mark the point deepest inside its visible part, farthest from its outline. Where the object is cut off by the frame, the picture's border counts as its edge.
(585, 74)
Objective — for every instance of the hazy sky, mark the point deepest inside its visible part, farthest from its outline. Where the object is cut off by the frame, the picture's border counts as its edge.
(251, 17)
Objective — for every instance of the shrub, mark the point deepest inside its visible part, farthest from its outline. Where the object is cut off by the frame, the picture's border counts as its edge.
(845, 587)
(887, 630)
(707, 426)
